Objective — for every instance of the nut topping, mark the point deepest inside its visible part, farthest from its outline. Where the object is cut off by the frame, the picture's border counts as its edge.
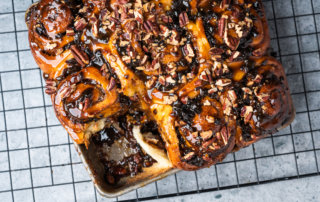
(184, 100)
(206, 135)
(112, 84)
(170, 99)
(183, 19)
(231, 42)
(210, 119)
(80, 56)
(51, 87)
(151, 82)
(70, 32)
(246, 113)
(189, 156)
(225, 135)
(223, 82)
(216, 51)
(80, 24)
(221, 26)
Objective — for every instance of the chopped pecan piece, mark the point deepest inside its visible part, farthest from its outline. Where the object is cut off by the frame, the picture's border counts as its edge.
(162, 80)
(225, 3)
(257, 79)
(174, 38)
(263, 97)
(171, 67)
(144, 60)
(234, 55)
(203, 76)
(227, 106)
(210, 119)
(188, 52)
(112, 84)
(151, 82)
(223, 82)
(170, 99)
(232, 97)
(80, 24)
(50, 46)
(169, 80)
(246, 113)
(94, 29)
(212, 90)
(225, 135)
(188, 156)
(206, 135)
(207, 103)
(184, 100)
(247, 90)
(70, 32)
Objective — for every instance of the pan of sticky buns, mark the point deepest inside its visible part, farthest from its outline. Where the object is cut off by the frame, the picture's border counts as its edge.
(148, 88)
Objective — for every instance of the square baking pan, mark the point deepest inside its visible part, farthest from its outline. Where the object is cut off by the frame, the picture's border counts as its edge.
(157, 171)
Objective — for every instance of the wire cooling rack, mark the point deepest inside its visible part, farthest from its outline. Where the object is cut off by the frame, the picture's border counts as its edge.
(38, 161)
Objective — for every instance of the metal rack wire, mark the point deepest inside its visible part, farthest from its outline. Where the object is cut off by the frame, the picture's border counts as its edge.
(38, 160)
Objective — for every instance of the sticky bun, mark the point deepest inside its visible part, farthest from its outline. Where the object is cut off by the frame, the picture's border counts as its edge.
(182, 82)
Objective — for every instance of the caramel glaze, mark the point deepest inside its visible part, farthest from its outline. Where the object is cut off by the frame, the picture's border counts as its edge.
(198, 69)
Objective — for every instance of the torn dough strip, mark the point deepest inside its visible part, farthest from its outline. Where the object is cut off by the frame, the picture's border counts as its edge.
(157, 154)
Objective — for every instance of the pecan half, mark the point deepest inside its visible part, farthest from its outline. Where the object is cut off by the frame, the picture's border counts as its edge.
(51, 87)
(221, 26)
(166, 19)
(216, 51)
(231, 42)
(66, 91)
(183, 19)
(80, 56)
(148, 26)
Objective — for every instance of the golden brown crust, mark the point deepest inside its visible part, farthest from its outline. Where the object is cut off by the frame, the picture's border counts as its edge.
(199, 71)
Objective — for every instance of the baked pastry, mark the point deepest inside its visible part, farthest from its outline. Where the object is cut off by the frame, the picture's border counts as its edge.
(197, 71)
